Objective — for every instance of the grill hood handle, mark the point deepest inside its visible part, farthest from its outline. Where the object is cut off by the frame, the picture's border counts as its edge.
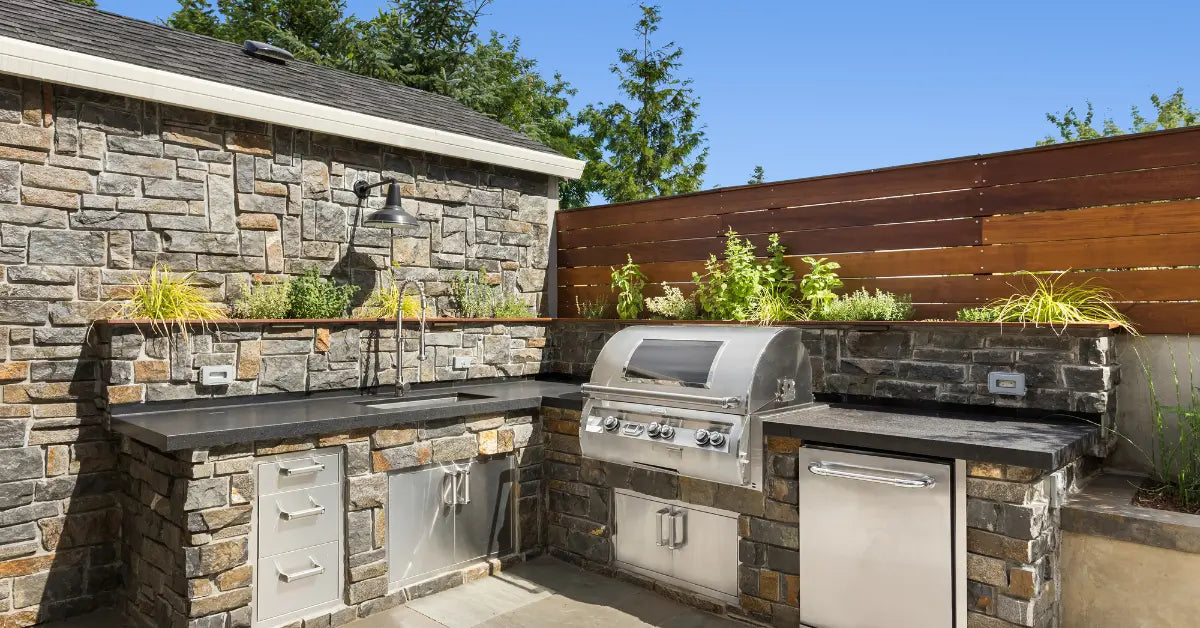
(723, 402)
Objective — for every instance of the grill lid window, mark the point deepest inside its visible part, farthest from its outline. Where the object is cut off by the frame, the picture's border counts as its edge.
(679, 362)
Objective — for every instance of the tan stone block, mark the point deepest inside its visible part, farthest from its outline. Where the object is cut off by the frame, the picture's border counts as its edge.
(199, 587)
(191, 137)
(752, 604)
(14, 371)
(393, 437)
(999, 546)
(151, 371)
(488, 444)
(249, 359)
(260, 222)
(35, 564)
(334, 440)
(50, 198)
(504, 440)
(58, 460)
(480, 423)
(768, 585)
(535, 343)
(131, 393)
(235, 578)
(26, 136)
(270, 188)
(1022, 582)
(791, 586)
(985, 470)
(380, 536)
(322, 340)
(986, 570)
(252, 143)
(271, 448)
(9, 153)
(15, 411)
(220, 602)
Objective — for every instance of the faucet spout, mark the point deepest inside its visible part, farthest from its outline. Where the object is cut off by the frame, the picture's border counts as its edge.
(402, 387)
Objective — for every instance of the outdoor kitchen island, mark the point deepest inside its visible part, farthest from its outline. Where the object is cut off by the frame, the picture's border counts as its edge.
(203, 482)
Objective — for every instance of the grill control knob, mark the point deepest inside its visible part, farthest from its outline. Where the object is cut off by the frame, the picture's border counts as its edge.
(653, 429)
(701, 437)
(716, 439)
(611, 423)
(667, 432)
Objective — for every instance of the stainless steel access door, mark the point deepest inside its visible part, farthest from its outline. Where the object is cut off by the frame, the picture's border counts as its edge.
(420, 522)
(877, 537)
(483, 521)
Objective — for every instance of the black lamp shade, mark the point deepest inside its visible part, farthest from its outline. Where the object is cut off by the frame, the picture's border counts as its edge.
(392, 216)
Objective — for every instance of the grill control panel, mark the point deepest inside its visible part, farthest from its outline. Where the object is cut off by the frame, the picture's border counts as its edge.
(663, 430)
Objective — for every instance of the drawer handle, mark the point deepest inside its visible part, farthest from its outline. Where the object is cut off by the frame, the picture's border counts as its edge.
(851, 472)
(658, 537)
(316, 570)
(317, 509)
(315, 467)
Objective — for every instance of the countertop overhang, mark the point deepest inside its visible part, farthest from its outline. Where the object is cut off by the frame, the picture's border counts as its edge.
(1042, 443)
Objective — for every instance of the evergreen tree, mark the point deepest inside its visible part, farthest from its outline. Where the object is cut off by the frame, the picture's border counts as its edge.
(652, 145)
(756, 176)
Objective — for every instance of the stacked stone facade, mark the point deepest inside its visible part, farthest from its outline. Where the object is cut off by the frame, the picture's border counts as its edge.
(1066, 370)
(146, 365)
(97, 188)
(188, 517)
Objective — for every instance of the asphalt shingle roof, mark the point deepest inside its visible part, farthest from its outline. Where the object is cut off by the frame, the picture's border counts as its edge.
(97, 33)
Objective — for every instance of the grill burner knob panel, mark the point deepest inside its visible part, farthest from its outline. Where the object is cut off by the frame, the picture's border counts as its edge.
(701, 437)
(716, 439)
(653, 429)
(666, 432)
(611, 423)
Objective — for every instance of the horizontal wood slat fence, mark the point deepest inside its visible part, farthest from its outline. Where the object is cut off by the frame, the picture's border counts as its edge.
(1118, 211)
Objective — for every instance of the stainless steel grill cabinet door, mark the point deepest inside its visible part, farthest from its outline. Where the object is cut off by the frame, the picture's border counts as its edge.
(877, 536)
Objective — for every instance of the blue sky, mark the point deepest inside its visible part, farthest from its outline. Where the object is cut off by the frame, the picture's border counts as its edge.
(807, 88)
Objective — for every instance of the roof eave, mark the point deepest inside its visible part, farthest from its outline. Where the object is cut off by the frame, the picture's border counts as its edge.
(55, 65)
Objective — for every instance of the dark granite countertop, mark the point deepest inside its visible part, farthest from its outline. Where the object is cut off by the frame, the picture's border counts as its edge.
(1040, 443)
(171, 426)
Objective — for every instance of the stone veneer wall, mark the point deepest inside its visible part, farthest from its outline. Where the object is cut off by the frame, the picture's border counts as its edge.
(95, 188)
(1073, 370)
(1012, 529)
(143, 365)
(188, 518)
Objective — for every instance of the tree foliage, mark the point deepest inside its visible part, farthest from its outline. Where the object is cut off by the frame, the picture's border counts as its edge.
(1171, 113)
(758, 176)
(652, 144)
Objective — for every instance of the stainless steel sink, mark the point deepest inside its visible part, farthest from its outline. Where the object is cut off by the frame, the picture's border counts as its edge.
(422, 401)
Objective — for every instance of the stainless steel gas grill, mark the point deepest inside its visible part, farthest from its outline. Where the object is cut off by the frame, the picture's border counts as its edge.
(688, 399)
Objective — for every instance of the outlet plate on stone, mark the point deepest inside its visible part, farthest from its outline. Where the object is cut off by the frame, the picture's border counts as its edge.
(460, 362)
(1002, 383)
(221, 375)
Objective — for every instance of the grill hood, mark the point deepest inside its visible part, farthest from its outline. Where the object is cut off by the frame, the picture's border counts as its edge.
(723, 368)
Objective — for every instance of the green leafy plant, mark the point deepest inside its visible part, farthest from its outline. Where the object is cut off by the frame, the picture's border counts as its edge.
(168, 300)
(263, 300)
(313, 296)
(510, 305)
(817, 287)
(861, 305)
(729, 286)
(985, 314)
(591, 308)
(672, 304)
(381, 303)
(1175, 437)
(475, 298)
(773, 307)
(1053, 301)
(628, 282)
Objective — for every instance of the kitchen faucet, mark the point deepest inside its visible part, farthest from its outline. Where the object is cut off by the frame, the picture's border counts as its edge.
(402, 386)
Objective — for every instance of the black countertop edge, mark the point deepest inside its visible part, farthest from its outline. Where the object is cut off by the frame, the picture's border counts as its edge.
(380, 391)
(1071, 440)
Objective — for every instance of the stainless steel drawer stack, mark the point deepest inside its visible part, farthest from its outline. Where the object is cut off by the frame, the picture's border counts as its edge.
(299, 545)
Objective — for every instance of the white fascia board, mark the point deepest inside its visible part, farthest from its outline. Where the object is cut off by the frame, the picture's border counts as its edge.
(55, 65)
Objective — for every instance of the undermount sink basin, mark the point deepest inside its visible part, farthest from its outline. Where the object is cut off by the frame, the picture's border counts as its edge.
(422, 401)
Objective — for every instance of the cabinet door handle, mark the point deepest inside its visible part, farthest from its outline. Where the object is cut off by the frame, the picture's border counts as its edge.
(450, 497)
(317, 509)
(316, 569)
(658, 533)
(854, 472)
(464, 487)
(315, 467)
(678, 518)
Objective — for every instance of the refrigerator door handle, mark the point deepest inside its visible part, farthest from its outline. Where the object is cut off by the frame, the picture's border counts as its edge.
(658, 534)
(678, 520)
(464, 486)
(450, 497)
(867, 474)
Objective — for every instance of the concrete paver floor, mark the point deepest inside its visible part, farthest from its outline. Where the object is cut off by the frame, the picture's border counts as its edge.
(542, 593)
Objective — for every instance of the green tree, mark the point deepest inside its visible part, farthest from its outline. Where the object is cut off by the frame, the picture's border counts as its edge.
(1171, 113)
(651, 146)
(757, 176)
(86, 3)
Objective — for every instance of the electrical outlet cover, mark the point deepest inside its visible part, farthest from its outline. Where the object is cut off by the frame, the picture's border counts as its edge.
(216, 375)
(1004, 383)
